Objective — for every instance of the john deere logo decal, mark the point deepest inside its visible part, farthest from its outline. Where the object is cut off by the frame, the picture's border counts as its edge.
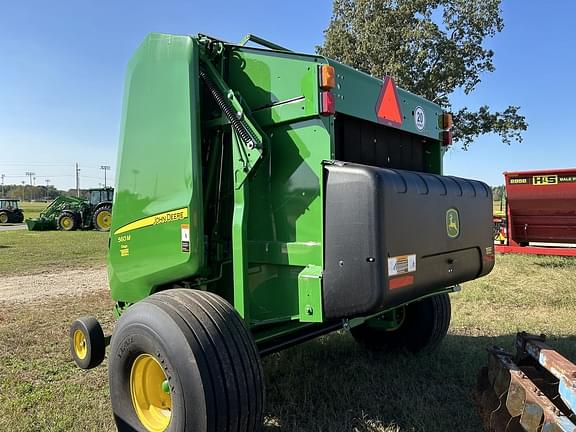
(452, 223)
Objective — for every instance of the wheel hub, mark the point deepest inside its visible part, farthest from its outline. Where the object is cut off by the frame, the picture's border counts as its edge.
(104, 219)
(151, 401)
(80, 345)
(66, 222)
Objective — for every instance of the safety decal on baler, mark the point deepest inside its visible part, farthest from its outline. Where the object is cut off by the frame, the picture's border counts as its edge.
(400, 269)
(388, 109)
(185, 237)
(419, 118)
(401, 264)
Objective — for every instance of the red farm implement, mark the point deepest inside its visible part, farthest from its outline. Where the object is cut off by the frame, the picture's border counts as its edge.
(541, 213)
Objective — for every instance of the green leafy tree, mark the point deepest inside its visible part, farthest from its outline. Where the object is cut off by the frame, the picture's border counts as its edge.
(430, 47)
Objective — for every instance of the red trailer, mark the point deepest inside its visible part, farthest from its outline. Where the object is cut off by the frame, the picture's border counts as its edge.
(541, 208)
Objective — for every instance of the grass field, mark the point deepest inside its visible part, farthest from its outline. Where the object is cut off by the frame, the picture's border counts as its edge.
(329, 384)
(32, 252)
(32, 209)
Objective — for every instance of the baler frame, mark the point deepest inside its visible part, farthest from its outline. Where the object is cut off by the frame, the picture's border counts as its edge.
(259, 161)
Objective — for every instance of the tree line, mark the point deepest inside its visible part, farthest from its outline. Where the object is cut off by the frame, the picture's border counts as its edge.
(36, 193)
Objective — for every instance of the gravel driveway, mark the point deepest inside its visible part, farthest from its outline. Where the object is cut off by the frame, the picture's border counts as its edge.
(12, 227)
(41, 287)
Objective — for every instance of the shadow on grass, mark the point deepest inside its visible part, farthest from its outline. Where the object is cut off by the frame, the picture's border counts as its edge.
(331, 384)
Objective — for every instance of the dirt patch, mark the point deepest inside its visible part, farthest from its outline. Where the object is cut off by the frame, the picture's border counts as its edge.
(42, 287)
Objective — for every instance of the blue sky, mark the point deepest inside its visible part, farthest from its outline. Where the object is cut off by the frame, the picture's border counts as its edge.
(62, 69)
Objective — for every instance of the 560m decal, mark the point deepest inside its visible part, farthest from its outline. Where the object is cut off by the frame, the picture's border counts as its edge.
(161, 218)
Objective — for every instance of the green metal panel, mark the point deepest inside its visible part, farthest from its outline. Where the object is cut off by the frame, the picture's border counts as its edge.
(310, 294)
(285, 229)
(158, 188)
(278, 87)
(357, 95)
(285, 222)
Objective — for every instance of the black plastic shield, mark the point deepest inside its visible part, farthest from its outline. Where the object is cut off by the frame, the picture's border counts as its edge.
(392, 236)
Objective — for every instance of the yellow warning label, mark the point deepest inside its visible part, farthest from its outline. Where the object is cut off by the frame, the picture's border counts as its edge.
(161, 218)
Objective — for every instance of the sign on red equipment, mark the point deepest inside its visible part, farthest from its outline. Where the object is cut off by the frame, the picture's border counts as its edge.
(388, 106)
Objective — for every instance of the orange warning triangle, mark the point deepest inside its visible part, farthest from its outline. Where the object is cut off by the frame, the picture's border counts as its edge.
(388, 105)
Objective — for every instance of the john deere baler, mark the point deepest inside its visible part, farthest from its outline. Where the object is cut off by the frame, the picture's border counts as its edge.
(263, 198)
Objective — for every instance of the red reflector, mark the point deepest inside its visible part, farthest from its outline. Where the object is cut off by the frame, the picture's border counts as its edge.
(388, 106)
(400, 281)
(447, 138)
(327, 103)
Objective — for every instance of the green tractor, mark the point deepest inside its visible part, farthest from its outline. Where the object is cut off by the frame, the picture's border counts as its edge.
(100, 214)
(264, 198)
(10, 212)
(70, 213)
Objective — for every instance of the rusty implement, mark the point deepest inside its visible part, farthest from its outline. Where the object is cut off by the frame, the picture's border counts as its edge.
(533, 391)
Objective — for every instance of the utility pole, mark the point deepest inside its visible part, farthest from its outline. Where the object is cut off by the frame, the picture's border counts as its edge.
(105, 168)
(77, 180)
(3, 196)
(47, 187)
(30, 174)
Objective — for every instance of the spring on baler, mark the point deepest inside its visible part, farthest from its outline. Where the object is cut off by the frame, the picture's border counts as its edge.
(239, 125)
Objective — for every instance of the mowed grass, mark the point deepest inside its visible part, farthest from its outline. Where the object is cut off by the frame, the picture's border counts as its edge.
(32, 210)
(329, 384)
(32, 252)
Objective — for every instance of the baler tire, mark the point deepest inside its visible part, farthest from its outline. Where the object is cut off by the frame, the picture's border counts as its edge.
(425, 325)
(4, 217)
(89, 331)
(208, 358)
(62, 221)
(97, 220)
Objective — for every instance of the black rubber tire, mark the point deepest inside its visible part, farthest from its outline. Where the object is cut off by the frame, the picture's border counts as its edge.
(107, 208)
(425, 324)
(95, 342)
(4, 217)
(19, 217)
(208, 356)
(75, 221)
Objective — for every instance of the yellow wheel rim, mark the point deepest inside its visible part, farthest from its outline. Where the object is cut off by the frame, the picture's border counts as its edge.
(80, 345)
(104, 219)
(151, 403)
(66, 222)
